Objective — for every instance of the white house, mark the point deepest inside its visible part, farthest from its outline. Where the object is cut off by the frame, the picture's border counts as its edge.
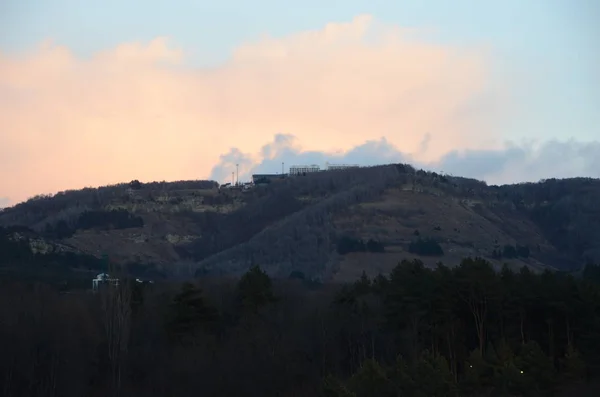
(102, 279)
(303, 169)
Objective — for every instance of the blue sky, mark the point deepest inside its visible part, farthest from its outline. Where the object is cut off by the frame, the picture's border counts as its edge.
(547, 51)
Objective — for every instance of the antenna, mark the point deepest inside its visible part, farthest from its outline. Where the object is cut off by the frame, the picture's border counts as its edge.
(282, 168)
(237, 174)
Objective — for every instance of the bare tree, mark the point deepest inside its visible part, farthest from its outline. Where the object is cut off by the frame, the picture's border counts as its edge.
(116, 307)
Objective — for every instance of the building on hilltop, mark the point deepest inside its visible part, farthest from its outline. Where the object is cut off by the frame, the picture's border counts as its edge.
(304, 169)
(259, 179)
(334, 167)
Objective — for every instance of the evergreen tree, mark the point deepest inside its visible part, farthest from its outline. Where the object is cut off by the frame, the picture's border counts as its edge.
(255, 290)
(333, 387)
(189, 315)
(538, 369)
(371, 381)
(433, 377)
(573, 366)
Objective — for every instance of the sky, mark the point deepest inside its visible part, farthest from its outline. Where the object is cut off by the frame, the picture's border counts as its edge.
(96, 93)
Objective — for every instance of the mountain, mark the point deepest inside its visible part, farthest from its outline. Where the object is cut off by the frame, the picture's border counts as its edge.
(330, 225)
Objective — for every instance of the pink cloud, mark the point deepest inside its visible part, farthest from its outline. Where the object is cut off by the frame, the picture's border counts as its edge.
(139, 112)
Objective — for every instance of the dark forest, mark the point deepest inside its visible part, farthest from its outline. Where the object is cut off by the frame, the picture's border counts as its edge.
(460, 331)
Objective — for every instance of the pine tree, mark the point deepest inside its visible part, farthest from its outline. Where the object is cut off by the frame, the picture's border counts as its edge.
(333, 387)
(573, 366)
(255, 290)
(189, 314)
(433, 377)
(371, 381)
(537, 368)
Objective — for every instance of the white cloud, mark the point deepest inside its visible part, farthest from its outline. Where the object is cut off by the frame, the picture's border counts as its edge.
(138, 112)
(510, 164)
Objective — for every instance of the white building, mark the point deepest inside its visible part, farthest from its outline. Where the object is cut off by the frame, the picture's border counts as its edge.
(304, 169)
(333, 167)
(104, 279)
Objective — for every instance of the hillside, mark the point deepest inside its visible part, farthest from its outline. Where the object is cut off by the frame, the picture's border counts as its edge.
(329, 225)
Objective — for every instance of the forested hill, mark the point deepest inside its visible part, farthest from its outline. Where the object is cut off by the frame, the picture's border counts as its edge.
(330, 225)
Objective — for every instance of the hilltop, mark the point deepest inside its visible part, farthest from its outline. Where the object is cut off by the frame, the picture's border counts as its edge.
(329, 225)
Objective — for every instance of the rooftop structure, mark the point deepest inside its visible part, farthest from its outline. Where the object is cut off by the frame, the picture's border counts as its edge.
(104, 279)
(304, 169)
(265, 178)
(332, 167)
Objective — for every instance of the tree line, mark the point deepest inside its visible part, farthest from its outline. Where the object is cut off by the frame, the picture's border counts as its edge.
(461, 331)
(56, 264)
(42, 209)
(94, 219)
